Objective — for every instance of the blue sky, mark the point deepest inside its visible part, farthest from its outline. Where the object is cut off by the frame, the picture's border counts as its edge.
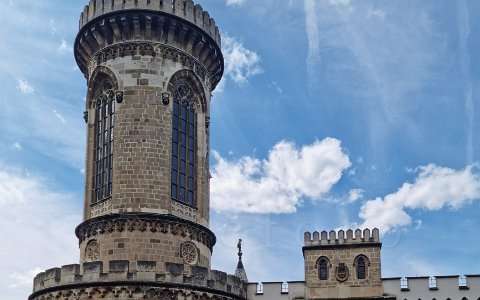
(331, 114)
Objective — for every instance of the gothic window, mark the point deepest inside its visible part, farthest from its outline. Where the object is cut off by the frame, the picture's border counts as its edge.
(183, 144)
(323, 264)
(104, 124)
(361, 265)
(361, 268)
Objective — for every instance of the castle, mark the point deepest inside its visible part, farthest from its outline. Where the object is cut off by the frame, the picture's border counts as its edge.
(150, 67)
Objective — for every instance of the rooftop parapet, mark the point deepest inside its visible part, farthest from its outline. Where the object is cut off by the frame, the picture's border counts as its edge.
(119, 272)
(341, 237)
(185, 9)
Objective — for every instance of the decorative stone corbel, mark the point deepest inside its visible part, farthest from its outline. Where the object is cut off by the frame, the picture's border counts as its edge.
(165, 98)
(119, 96)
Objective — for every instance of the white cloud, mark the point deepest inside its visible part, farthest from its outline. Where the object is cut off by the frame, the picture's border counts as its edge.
(434, 188)
(240, 62)
(59, 116)
(355, 194)
(235, 2)
(23, 280)
(53, 27)
(37, 224)
(16, 147)
(311, 26)
(24, 86)
(339, 2)
(377, 13)
(278, 183)
(64, 47)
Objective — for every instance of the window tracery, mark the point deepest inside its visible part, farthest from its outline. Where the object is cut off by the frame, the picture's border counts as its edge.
(183, 184)
(361, 264)
(104, 143)
(323, 264)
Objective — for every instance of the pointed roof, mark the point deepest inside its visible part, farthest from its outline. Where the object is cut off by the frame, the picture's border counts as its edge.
(240, 271)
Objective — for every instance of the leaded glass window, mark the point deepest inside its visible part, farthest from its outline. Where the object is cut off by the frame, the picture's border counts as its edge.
(323, 269)
(361, 268)
(183, 144)
(104, 124)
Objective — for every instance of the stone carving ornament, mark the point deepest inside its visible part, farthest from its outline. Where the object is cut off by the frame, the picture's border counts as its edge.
(189, 253)
(341, 272)
(92, 251)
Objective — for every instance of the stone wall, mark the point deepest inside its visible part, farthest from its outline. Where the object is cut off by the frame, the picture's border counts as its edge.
(428, 288)
(177, 282)
(142, 134)
(341, 251)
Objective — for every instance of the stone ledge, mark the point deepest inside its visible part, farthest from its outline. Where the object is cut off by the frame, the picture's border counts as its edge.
(161, 224)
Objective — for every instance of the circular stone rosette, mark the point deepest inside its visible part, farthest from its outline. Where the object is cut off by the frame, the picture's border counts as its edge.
(92, 251)
(189, 253)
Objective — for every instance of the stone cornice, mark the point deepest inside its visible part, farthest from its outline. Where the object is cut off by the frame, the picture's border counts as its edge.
(150, 26)
(149, 48)
(156, 223)
(185, 9)
(146, 289)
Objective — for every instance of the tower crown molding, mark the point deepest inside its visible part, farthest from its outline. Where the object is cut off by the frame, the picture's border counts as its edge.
(177, 23)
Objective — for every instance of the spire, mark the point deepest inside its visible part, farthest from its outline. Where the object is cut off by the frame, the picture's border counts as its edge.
(240, 271)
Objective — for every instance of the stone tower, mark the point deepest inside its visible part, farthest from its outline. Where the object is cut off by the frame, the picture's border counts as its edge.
(150, 67)
(343, 266)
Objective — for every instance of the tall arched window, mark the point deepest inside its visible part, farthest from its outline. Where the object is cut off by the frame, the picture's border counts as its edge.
(323, 269)
(183, 144)
(104, 124)
(361, 268)
(323, 264)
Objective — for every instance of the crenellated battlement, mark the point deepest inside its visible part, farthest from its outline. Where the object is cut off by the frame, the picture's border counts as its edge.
(70, 277)
(185, 9)
(181, 28)
(341, 237)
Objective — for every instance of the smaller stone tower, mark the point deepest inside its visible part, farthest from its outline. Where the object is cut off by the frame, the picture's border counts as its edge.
(339, 266)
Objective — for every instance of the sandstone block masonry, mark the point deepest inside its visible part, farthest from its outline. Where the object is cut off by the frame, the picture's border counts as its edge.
(341, 251)
(121, 283)
(140, 239)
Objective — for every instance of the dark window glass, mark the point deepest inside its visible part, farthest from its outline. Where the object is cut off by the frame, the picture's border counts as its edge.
(174, 178)
(183, 144)
(323, 269)
(361, 268)
(105, 122)
(182, 166)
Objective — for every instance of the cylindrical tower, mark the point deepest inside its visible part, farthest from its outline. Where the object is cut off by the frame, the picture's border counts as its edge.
(150, 66)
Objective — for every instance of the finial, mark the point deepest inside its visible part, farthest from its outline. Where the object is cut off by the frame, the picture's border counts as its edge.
(240, 271)
(239, 246)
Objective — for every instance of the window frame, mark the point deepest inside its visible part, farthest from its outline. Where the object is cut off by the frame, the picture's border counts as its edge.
(183, 187)
(323, 264)
(362, 263)
(103, 147)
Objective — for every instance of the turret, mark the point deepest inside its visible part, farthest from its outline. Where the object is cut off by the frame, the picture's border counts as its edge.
(150, 67)
(341, 265)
